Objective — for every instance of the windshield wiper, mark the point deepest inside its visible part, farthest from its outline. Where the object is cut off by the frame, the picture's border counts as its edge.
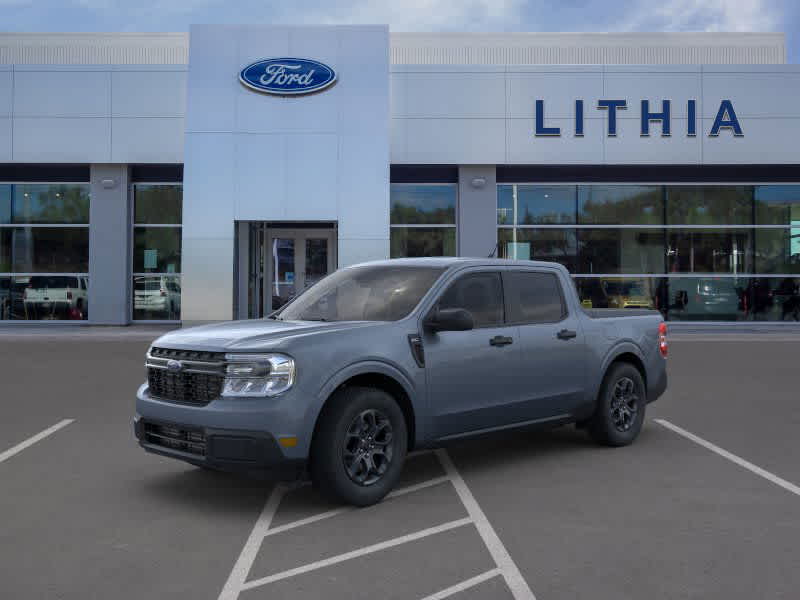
(321, 319)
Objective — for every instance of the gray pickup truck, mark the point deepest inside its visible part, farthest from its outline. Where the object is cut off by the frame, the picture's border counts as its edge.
(381, 358)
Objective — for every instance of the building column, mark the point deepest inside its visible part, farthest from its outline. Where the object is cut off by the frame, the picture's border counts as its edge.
(109, 245)
(477, 211)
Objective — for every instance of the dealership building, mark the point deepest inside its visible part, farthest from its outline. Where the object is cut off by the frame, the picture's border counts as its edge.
(215, 174)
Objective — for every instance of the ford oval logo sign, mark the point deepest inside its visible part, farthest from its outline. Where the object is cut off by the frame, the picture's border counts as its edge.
(174, 365)
(287, 76)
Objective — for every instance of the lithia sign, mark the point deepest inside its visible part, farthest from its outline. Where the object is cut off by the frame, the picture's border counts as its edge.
(725, 120)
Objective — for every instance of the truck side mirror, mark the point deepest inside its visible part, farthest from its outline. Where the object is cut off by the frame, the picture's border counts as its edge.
(450, 319)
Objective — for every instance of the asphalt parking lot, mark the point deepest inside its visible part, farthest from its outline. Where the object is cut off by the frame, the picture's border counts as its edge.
(704, 505)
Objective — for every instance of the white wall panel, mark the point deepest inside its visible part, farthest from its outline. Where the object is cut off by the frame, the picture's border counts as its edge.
(629, 148)
(655, 87)
(754, 94)
(208, 185)
(765, 141)
(523, 147)
(312, 168)
(259, 177)
(558, 90)
(455, 141)
(455, 95)
(5, 139)
(147, 140)
(363, 165)
(353, 251)
(77, 140)
(148, 93)
(284, 158)
(212, 81)
(55, 93)
(6, 84)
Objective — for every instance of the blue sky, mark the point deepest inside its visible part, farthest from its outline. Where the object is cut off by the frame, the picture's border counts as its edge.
(414, 15)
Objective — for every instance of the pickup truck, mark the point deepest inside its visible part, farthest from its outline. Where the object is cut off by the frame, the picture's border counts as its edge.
(381, 358)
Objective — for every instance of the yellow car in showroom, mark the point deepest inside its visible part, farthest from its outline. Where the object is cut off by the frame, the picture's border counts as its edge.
(616, 293)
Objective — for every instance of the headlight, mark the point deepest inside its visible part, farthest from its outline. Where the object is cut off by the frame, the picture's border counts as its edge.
(257, 374)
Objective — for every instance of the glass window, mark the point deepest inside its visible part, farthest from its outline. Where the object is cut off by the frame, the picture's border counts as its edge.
(556, 245)
(156, 297)
(775, 299)
(620, 251)
(415, 204)
(778, 250)
(620, 204)
(709, 299)
(44, 264)
(44, 203)
(157, 249)
(709, 205)
(533, 297)
(423, 241)
(423, 204)
(478, 293)
(535, 204)
(158, 204)
(710, 251)
(622, 292)
(363, 294)
(777, 205)
(44, 249)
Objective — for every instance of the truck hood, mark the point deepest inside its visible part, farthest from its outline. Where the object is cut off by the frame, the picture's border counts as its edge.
(255, 334)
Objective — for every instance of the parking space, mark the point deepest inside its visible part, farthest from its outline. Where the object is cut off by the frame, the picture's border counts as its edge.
(87, 514)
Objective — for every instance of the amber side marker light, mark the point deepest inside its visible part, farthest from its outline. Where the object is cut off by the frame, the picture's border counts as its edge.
(288, 442)
(662, 339)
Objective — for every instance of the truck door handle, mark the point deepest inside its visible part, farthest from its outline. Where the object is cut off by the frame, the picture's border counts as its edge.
(566, 334)
(501, 340)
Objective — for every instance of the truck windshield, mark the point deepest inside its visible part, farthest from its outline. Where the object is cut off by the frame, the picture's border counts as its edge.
(368, 293)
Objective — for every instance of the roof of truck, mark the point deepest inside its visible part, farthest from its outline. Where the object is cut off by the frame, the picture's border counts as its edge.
(449, 261)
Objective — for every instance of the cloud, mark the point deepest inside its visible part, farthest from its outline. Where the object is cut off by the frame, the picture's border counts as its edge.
(705, 15)
(419, 15)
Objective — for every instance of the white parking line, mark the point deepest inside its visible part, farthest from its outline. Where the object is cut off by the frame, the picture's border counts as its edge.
(514, 579)
(417, 535)
(788, 486)
(251, 547)
(33, 439)
(346, 509)
(464, 585)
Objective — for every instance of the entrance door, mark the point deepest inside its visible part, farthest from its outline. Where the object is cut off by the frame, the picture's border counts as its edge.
(295, 259)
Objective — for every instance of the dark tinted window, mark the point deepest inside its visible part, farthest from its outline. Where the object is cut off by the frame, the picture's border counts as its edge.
(480, 294)
(533, 297)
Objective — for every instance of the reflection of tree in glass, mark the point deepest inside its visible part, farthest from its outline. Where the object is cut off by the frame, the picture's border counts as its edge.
(51, 204)
(616, 205)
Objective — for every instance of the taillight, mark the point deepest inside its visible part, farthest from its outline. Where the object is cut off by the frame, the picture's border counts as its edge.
(662, 339)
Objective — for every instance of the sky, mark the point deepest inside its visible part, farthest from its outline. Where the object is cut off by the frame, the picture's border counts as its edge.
(414, 15)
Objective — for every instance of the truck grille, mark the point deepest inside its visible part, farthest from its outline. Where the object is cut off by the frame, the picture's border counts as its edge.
(192, 441)
(198, 381)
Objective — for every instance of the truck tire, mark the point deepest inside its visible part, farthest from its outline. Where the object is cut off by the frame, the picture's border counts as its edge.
(360, 446)
(621, 403)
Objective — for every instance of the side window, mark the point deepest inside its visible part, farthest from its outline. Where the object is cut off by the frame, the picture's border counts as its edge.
(533, 297)
(479, 293)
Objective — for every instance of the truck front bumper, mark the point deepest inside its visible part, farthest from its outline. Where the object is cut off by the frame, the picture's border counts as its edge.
(242, 437)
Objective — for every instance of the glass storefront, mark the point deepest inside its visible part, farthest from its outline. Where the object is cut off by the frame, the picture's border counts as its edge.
(44, 251)
(156, 285)
(423, 219)
(694, 252)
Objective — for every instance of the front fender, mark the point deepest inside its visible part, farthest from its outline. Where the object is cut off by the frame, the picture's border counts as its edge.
(367, 367)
